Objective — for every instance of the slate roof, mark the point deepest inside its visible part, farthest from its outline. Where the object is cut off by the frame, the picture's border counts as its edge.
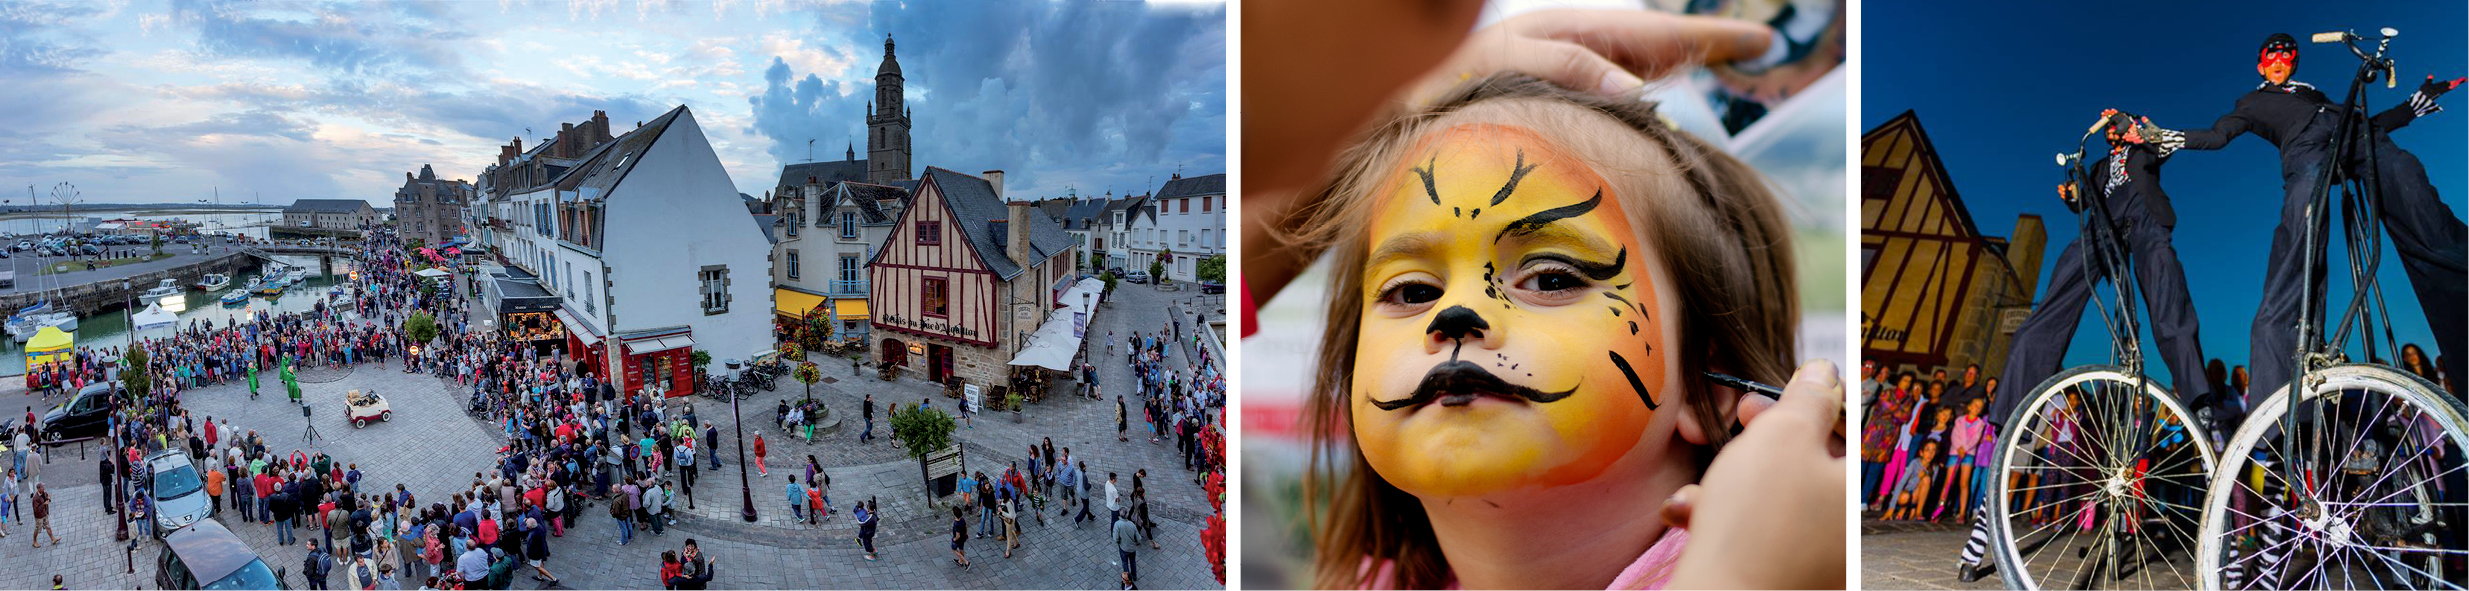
(1084, 212)
(326, 206)
(871, 200)
(608, 164)
(1192, 186)
(974, 203)
(767, 223)
(823, 173)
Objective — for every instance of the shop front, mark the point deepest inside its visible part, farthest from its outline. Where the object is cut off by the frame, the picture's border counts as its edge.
(659, 361)
(582, 344)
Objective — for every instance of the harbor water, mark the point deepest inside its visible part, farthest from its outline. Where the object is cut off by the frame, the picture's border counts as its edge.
(111, 329)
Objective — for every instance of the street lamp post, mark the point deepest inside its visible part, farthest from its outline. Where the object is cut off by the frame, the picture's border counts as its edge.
(745, 488)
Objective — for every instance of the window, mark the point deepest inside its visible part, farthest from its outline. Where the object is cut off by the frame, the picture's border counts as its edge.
(848, 267)
(1204, 205)
(1187, 205)
(715, 281)
(1182, 238)
(1204, 240)
(792, 264)
(793, 219)
(930, 233)
(938, 300)
(587, 293)
(848, 224)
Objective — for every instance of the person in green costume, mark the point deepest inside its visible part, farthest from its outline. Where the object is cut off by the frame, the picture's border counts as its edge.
(252, 380)
(291, 381)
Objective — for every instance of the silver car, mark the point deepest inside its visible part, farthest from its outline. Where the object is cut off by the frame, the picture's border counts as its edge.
(179, 492)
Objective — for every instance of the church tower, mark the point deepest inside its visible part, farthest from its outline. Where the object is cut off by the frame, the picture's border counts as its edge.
(887, 124)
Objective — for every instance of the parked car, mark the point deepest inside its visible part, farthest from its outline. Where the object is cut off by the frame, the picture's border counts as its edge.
(1212, 287)
(1137, 277)
(208, 556)
(82, 416)
(179, 492)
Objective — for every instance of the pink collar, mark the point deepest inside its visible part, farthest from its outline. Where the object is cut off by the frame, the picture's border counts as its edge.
(1650, 571)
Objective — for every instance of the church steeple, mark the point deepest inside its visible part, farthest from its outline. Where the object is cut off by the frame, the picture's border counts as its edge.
(887, 123)
(852, 151)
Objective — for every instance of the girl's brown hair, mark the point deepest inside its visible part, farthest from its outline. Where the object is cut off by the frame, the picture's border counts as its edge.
(1723, 240)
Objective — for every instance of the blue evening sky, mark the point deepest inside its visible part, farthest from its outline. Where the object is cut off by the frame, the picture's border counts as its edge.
(2002, 86)
(165, 100)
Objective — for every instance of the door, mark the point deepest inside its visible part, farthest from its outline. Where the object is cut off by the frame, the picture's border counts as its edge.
(894, 353)
(939, 363)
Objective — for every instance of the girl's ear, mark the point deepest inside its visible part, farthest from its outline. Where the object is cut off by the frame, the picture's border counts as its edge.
(1726, 401)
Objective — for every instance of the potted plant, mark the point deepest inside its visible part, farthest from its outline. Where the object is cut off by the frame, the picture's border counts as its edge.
(1012, 400)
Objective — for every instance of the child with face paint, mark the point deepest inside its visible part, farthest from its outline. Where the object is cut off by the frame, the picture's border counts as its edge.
(1529, 282)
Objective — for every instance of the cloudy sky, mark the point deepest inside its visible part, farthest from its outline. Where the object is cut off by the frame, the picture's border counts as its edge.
(151, 101)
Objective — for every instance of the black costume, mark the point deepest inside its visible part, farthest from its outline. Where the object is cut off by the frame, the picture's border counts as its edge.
(2301, 121)
(2128, 180)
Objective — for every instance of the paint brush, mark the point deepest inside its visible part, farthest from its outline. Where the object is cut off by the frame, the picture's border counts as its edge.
(1744, 384)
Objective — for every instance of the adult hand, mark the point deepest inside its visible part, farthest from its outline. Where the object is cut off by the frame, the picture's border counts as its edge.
(1768, 514)
(1608, 52)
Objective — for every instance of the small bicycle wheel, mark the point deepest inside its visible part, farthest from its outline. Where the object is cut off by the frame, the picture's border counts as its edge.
(2094, 485)
(2368, 491)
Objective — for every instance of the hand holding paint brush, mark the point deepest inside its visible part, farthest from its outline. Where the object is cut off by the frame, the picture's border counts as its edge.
(1776, 486)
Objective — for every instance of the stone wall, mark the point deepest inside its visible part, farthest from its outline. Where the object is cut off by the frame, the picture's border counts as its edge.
(97, 296)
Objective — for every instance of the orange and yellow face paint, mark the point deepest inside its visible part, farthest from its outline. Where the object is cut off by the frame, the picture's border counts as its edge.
(1510, 265)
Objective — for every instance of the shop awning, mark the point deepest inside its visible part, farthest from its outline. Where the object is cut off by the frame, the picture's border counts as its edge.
(1058, 340)
(793, 303)
(850, 308)
(655, 345)
(581, 331)
(431, 273)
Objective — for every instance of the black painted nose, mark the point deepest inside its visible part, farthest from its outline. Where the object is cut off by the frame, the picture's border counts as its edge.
(1458, 322)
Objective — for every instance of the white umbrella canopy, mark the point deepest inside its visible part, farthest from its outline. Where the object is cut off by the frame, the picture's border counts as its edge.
(154, 317)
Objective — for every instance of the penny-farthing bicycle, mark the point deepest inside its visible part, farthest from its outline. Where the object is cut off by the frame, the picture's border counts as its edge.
(2351, 476)
(2097, 473)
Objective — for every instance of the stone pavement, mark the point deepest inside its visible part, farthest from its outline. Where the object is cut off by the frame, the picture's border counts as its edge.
(433, 448)
(1914, 555)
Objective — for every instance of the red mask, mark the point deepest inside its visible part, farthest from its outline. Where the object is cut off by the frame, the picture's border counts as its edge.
(2284, 58)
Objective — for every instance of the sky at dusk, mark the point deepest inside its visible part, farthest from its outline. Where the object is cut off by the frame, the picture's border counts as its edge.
(148, 101)
(2002, 86)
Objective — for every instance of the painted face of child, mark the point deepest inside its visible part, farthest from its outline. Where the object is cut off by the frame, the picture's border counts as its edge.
(1509, 333)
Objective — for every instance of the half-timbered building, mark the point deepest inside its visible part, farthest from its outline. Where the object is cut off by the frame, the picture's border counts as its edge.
(964, 278)
(1936, 292)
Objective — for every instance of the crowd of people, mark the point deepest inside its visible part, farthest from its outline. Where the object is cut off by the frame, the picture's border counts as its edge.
(572, 442)
(1926, 446)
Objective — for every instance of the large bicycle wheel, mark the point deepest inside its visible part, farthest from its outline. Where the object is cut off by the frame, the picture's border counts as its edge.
(2095, 483)
(2367, 493)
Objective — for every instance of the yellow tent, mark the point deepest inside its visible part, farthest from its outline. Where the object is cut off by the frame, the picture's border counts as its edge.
(50, 345)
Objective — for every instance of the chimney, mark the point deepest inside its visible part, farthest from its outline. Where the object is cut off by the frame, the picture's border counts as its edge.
(1016, 241)
(994, 178)
(518, 145)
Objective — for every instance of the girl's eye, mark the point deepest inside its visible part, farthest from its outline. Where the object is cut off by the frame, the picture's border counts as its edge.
(1552, 284)
(1410, 294)
(1557, 281)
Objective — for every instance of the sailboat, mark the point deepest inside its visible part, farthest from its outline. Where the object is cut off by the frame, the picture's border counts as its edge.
(33, 319)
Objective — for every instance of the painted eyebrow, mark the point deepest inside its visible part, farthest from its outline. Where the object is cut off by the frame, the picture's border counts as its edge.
(1552, 235)
(1539, 220)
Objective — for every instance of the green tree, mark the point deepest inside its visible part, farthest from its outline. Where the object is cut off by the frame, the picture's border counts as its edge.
(156, 241)
(1212, 269)
(134, 377)
(1109, 278)
(1157, 267)
(420, 327)
(699, 359)
(922, 431)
